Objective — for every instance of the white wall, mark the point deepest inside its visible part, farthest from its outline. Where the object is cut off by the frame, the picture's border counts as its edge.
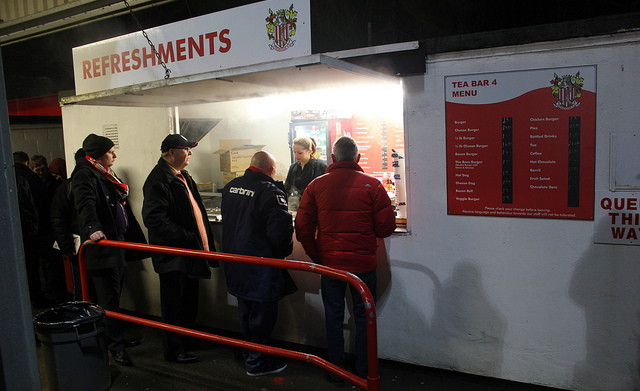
(531, 300)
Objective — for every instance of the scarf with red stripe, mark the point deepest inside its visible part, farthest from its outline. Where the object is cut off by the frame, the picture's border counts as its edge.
(121, 188)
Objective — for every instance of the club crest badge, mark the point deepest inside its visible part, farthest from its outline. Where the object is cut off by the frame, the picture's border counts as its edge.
(281, 200)
(566, 90)
(281, 27)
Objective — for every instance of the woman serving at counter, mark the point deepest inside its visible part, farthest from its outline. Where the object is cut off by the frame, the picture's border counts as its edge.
(306, 167)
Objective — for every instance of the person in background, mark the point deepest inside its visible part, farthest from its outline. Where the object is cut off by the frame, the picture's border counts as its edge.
(38, 164)
(64, 226)
(31, 201)
(175, 216)
(50, 258)
(305, 169)
(256, 221)
(64, 223)
(349, 210)
(58, 168)
(103, 212)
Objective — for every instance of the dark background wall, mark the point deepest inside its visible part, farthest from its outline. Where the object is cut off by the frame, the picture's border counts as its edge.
(43, 65)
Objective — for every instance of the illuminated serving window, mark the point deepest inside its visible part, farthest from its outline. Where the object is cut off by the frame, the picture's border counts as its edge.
(370, 113)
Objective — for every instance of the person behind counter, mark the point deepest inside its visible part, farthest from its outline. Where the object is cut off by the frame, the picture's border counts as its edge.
(306, 167)
(174, 213)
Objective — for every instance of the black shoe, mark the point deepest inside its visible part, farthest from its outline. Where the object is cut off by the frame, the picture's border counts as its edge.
(129, 343)
(183, 358)
(122, 358)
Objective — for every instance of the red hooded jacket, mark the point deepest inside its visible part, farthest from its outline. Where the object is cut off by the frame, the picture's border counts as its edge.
(349, 209)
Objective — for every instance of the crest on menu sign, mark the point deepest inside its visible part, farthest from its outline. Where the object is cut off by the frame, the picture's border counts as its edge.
(281, 27)
(566, 90)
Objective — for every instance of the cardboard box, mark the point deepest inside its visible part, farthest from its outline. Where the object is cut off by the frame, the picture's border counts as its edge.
(235, 155)
(228, 176)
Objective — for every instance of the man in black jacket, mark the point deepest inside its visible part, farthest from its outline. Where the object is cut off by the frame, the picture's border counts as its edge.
(50, 258)
(256, 221)
(100, 199)
(175, 216)
(32, 204)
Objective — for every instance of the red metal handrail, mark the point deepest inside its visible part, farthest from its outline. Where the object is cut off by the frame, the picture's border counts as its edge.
(372, 383)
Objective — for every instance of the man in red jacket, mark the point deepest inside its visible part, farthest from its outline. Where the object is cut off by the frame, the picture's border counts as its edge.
(350, 210)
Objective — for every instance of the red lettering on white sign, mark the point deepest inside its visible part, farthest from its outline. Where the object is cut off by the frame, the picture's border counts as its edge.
(173, 51)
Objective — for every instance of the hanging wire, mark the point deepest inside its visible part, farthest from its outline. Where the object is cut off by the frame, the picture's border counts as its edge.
(167, 71)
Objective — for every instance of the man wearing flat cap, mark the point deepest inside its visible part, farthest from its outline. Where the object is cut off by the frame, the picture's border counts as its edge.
(175, 216)
(100, 199)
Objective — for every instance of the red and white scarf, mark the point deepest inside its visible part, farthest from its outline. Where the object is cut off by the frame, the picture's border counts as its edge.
(121, 188)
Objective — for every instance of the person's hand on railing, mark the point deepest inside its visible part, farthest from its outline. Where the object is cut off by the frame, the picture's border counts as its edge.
(97, 236)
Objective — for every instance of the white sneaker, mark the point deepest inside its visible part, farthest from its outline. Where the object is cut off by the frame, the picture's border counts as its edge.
(268, 368)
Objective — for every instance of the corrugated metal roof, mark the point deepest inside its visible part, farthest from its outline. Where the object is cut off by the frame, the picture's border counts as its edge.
(23, 19)
(12, 10)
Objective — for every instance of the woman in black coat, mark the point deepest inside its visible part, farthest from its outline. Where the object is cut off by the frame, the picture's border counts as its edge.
(100, 200)
(305, 169)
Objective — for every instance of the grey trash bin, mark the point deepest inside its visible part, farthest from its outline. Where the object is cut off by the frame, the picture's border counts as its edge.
(74, 347)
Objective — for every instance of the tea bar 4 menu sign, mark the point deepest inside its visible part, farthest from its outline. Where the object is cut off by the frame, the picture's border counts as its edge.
(522, 143)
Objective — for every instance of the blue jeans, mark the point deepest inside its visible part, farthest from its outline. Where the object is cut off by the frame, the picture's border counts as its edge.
(333, 298)
(257, 320)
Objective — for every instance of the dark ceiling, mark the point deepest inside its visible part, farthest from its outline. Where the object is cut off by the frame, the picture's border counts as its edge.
(43, 65)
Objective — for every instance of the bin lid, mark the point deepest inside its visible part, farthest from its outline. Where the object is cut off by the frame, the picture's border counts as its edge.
(68, 315)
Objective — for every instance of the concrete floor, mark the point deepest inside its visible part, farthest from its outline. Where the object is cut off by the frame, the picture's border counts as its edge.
(220, 369)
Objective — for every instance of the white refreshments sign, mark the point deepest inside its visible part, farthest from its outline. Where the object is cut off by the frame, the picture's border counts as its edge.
(255, 33)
